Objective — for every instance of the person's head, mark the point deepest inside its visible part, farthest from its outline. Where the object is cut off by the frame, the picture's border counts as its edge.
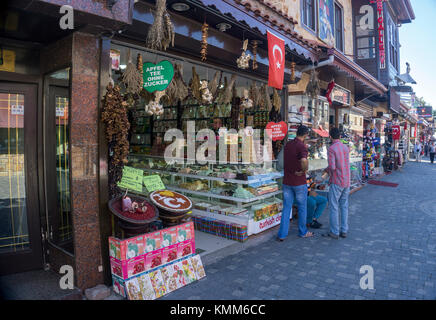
(302, 132)
(335, 134)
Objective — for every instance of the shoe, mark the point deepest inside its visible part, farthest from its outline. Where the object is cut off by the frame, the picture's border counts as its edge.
(314, 225)
(317, 223)
(280, 240)
(343, 235)
(331, 235)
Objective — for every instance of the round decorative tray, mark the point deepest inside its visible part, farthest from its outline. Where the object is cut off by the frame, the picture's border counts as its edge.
(115, 206)
(171, 203)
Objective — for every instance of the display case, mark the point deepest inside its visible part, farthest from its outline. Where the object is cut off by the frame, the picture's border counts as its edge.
(241, 193)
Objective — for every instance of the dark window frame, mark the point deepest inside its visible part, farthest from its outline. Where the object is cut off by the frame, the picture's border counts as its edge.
(309, 25)
(339, 45)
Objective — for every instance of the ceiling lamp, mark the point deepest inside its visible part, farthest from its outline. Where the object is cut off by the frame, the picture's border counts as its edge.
(223, 27)
(180, 7)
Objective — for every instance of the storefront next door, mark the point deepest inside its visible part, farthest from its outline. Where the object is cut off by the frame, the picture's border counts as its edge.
(20, 233)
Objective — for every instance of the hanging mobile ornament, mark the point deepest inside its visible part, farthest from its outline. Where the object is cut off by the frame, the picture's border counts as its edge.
(255, 44)
(244, 58)
(204, 31)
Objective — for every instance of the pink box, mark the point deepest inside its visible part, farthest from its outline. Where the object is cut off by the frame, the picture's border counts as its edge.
(153, 259)
(128, 268)
(119, 287)
(169, 253)
(153, 241)
(185, 232)
(185, 248)
(126, 249)
(169, 236)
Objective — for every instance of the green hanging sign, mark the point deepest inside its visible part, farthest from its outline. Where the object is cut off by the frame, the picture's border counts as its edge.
(157, 77)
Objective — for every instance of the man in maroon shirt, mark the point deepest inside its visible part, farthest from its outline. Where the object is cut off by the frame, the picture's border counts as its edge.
(294, 184)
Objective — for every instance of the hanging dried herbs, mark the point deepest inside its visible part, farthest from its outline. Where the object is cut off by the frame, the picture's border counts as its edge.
(228, 93)
(161, 33)
(177, 90)
(277, 101)
(255, 44)
(254, 93)
(203, 52)
(313, 88)
(114, 115)
(265, 98)
(213, 85)
(195, 85)
(131, 77)
(293, 64)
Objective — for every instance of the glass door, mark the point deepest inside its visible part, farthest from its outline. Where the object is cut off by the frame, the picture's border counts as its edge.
(20, 234)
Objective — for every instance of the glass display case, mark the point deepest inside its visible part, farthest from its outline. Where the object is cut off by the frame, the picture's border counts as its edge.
(247, 194)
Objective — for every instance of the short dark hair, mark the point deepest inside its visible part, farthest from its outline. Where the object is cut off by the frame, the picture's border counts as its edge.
(302, 131)
(335, 133)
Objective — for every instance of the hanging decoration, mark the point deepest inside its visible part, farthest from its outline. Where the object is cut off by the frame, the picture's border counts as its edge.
(177, 89)
(293, 64)
(114, 115)
(206, 96)
(228, 93)
(203, 52)
(313, 88)
(139, 67)
(213, 85)
(243, 60)
(161, 33)
(154, 107)
(195, 85)
(246, 102)
(131, 77)
(277, 101)
(255, 43)
(254, 93)
(266, 100)
(330, 88)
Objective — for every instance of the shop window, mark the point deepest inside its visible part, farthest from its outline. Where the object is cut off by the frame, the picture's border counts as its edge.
(309, 14)
(393, 44)
(339, 28)
(365, 40)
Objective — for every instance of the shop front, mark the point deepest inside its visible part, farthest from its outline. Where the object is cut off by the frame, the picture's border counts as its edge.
(190, 134)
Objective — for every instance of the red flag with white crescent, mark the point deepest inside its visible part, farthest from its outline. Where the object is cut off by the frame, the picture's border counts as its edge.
(276, 59)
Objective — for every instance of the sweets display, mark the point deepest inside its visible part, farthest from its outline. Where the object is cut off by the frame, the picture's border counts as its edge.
(171, 202)
(232, 231)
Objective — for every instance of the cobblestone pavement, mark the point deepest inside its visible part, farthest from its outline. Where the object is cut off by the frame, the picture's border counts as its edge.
(391, 229)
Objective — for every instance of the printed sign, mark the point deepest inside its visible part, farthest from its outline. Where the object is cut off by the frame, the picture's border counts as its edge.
(157, 77)
(8, 61)
(381, 32)
(396, 132)
(132, 179)
(326, 21)
(231, 138)
(17, 110)
(278, 130)
(153, 183)
(60, 111)
(256, 227)
(341, 95)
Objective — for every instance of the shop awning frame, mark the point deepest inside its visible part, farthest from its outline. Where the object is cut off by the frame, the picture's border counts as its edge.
(353, 70)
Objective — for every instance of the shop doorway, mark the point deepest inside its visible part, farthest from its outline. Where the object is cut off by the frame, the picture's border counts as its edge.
(20, 233)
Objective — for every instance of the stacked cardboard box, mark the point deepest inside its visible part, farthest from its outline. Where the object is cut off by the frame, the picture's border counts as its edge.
(148, 255)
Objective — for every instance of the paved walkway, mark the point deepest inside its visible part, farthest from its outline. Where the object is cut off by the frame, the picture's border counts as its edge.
(391, 229)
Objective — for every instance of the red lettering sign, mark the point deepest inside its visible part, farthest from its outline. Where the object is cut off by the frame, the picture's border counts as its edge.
(381, 32)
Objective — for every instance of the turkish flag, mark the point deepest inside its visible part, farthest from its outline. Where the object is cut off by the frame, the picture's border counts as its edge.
(396, 132)
(276, 59)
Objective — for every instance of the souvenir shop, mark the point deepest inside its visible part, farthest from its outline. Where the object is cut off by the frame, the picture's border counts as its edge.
(168, 115)
(373, 146)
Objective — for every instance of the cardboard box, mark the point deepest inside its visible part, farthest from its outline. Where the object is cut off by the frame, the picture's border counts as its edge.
(185, 232)
(118, 286)
(153, 259)
(185, 248)
(169, 254)
(153, 241)
(169, 236)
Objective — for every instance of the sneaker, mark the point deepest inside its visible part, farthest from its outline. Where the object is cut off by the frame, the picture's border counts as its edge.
(317, 223)
(343, 235)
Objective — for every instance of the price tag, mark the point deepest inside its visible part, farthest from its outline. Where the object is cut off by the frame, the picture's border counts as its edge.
(132, 179)
(153, 183)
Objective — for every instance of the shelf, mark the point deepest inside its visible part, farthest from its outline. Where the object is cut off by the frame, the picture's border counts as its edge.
(194, 176)
(217, 196)
(230, 218)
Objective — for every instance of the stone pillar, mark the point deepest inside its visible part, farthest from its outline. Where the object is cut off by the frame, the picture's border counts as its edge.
(84, 159)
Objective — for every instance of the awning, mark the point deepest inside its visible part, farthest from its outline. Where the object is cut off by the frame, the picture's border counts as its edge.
(259, 16)
(353, 70)
(322, 132)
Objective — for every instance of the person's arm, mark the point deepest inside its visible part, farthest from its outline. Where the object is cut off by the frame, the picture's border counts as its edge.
(332, 161)
(303, 154)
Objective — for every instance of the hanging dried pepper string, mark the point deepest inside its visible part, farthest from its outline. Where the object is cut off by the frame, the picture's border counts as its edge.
(204, 33)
